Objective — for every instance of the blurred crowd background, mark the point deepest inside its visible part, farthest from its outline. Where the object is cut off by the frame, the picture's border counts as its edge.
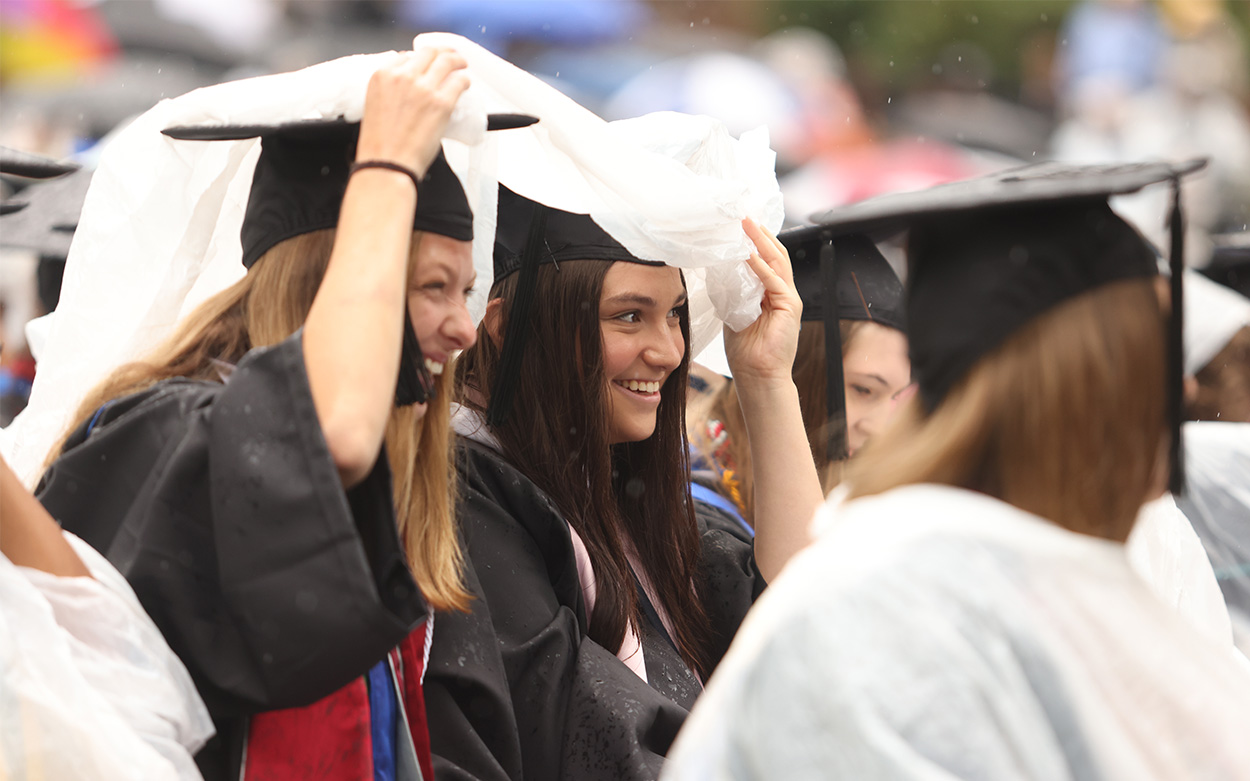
(860, 97)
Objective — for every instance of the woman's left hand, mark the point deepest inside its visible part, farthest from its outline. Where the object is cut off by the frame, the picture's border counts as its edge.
(764, 351)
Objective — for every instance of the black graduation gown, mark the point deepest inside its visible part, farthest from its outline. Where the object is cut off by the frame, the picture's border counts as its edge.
(711, 515)
(515, 689)
(222, 507)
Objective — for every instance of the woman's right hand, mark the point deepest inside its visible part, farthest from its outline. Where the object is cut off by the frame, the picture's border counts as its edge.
(407, 106)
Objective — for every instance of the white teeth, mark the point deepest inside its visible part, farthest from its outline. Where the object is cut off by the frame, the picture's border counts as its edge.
(641, 387)
(433, 367)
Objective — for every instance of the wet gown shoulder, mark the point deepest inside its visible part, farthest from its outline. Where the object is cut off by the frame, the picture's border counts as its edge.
(515, 688)
(221, 505)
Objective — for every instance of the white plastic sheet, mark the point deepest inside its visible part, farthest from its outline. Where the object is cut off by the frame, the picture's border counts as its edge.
(1213, 315)
(933, 633)
(88, 687)
(1217, 501)
(159, 231)
(1165, 551)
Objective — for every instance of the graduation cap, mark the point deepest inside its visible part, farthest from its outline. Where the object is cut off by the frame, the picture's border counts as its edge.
(528, 234)
(842, 277)
(988, 255)
(302, 173)
(50, 217)
(14, 162)
(298, 186)
(46, 225)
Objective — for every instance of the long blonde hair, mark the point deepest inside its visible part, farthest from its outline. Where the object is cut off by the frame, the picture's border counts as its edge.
(265, 307)
(1066, 419)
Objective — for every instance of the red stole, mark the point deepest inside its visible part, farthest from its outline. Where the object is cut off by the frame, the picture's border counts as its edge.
(330, 739)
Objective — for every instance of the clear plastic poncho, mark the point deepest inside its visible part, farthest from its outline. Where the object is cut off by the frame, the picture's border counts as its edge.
(88, 688)
(934, 633)
(1217, 502)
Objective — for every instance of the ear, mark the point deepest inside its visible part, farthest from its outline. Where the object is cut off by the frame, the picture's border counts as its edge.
(494, 321)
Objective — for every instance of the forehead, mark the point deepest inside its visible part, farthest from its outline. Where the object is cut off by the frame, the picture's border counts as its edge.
(455, 255)
(875, 346)
(662, 283)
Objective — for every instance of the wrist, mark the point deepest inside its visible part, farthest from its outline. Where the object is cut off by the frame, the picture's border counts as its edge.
(387, 166)
(753, 388)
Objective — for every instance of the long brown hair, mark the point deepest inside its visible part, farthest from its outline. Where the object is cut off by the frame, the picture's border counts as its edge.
(1224, 383)
(1066, 419)
(614, 496)
(266, 306)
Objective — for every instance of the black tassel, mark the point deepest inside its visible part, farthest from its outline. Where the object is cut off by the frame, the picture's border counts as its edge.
(415, 384)
(835, 384)
(1176, 342)
(516, 334)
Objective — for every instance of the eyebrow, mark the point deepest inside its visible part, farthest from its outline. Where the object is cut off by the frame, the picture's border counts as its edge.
(640, 300)
(870, 376)
(446, 266)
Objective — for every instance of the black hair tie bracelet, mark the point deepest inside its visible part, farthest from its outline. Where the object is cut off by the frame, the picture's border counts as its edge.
(388, 165)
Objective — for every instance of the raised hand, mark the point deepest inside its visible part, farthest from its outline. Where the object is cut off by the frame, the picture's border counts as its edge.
(764, 351)
(407, 106)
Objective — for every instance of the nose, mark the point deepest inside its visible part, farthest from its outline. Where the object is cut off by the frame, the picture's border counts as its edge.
(666, 348)
(871, 420)
(458, 328)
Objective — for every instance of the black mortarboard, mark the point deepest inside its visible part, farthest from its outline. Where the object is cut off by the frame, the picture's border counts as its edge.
(528, 234)
(842, 277)
(48, 222)
(301, 175)
(298, 186)
(987, 255)
(47, 226)
(14, 162)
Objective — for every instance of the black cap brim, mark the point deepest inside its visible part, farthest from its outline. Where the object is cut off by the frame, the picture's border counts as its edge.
(14, 162)
(1031, 184)
(241, 132)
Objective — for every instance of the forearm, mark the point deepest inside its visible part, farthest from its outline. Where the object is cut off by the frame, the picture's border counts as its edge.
(787, 487)
(29, 537)
(354, 330)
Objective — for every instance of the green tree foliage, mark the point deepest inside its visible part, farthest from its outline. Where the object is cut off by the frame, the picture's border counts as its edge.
(899, 44)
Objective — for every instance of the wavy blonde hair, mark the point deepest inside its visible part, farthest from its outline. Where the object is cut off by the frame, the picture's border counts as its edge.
(265, 307)
(1066, 419)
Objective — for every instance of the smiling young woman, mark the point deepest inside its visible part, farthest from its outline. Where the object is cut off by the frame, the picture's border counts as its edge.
(642, 344)
(275, 480)
(600, 603)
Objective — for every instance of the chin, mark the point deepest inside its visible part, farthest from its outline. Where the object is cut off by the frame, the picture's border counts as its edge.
(633, 432)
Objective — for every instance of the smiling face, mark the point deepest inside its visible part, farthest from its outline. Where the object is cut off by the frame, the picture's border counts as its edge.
(877, 370)
(642, 344)
(438, 291)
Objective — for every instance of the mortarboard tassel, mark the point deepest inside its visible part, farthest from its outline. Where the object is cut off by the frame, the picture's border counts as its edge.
(835, 384)
(415, 384)
(517, 331)
(1176, 358)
